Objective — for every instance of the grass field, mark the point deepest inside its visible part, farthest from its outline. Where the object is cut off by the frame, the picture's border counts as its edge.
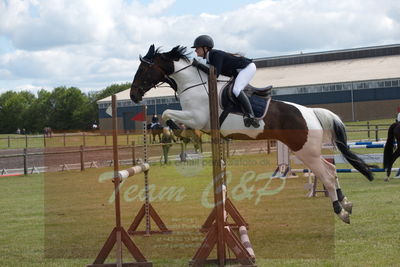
(63, 219)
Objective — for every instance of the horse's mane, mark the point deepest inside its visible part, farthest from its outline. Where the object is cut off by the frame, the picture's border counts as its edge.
(177, 53)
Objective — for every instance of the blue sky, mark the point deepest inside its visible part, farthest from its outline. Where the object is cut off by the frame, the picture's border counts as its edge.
(92, 44)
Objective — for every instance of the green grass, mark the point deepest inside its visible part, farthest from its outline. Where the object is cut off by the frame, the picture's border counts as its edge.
(63, 219)
(68, 140)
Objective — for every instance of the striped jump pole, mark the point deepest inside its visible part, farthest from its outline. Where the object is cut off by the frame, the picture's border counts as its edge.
(372, 170)
(361, 145)
(367, 143)
(134, 170)
(367, 146)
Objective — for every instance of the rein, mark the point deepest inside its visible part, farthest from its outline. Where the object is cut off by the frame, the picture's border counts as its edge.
(192, 86)
(202, 82)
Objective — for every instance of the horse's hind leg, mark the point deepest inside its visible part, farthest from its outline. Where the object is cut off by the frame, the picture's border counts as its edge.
(346, 204)
(326, 172)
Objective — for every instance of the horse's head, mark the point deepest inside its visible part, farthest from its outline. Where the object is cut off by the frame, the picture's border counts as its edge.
(155, 68)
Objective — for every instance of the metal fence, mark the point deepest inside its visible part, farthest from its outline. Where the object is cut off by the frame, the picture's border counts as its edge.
(66, 140)
(367, 131)
(51, 159)
(32, 154)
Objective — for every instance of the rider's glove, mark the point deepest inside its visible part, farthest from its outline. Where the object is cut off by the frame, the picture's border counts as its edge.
(201, 66)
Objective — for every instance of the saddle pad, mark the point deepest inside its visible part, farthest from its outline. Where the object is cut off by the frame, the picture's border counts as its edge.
(258, 103)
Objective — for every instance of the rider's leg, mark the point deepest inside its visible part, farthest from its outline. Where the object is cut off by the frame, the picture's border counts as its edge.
(243, 78)
(249, 114)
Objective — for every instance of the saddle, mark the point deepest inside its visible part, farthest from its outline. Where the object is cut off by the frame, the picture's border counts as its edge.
(258, 99)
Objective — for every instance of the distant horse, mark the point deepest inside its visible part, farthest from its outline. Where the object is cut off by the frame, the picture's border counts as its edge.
(166, 140)
(187, 136)
(155, 129)
(302, 129)
(389, 157)
(47, 132)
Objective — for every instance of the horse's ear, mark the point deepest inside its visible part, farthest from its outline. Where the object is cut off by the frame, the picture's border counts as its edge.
(150, 55)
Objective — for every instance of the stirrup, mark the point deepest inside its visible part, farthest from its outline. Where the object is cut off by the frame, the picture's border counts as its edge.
(249, 121)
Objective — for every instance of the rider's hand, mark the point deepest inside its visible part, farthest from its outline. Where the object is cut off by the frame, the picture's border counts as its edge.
(195, 63)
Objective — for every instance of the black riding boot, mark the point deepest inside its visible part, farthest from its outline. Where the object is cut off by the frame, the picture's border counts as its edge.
(249, 118)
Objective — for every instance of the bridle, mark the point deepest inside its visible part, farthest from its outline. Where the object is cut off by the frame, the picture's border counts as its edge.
(168, 79)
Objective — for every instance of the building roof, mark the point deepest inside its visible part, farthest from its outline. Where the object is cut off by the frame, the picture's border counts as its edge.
(352, 53)
(329, 72)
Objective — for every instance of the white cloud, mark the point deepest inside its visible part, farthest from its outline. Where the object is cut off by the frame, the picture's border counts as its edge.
(91, 44)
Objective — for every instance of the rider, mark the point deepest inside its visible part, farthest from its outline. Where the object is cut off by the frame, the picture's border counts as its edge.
(398, 114)
(239, 67)
(154, 120)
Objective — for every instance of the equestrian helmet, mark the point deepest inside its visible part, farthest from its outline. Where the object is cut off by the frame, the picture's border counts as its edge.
(203, 40)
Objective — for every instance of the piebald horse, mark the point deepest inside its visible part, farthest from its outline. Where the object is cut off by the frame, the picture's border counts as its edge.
(302, 129)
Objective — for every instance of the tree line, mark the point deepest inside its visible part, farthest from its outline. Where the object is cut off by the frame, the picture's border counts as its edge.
(61, 109)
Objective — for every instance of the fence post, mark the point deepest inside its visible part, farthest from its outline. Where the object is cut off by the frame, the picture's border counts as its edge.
(84, 139)
(127, 139)
(26, 140)
(25, 165)
(376, 132)
(369, 135)
(105, 139)
(64, 139)
(9, 141)
(133, 153)
(227, 149)
(82, 161)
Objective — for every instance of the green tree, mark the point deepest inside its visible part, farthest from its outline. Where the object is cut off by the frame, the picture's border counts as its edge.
(64, 103)
(112, 89)
(13, 107)
(39, 112)
(62, 109)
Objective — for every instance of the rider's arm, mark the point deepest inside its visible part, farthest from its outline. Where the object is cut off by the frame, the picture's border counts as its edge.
(201, 66)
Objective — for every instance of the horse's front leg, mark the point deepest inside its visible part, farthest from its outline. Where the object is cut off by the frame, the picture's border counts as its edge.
(395, 155)
(191, 119)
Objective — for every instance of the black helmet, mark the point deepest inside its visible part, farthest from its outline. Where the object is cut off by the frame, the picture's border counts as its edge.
(203, 40)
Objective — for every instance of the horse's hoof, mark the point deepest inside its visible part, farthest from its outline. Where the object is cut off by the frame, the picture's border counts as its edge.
(344, 216)
(347, 205)
(386, 179)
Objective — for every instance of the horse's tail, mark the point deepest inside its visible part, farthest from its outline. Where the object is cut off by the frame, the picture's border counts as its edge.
(330, 121)
(388, 150)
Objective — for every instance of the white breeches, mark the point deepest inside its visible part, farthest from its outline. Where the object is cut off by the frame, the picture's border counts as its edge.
(244, 77)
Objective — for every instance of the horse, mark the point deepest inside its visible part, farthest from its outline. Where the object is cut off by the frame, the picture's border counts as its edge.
(389, 157)
(47, 132)
(155, 129)
(302, 129)
(186, 136)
